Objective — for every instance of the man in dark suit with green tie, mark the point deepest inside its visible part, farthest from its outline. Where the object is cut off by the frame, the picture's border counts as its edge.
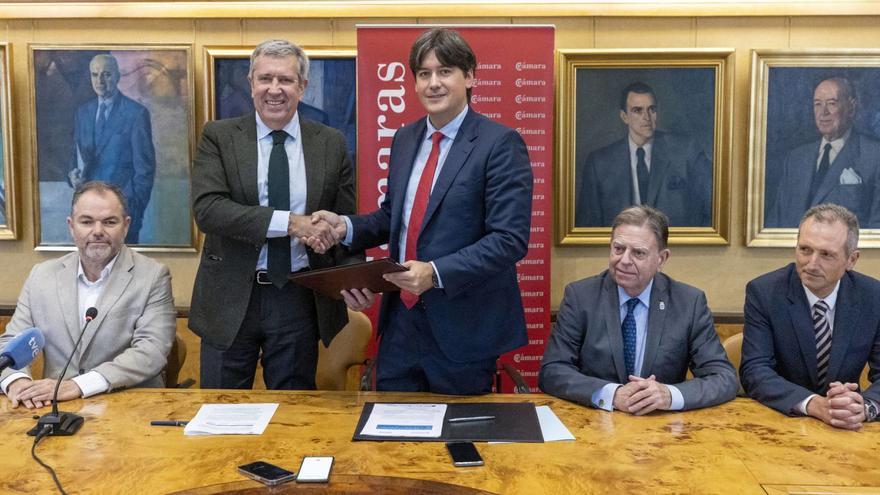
(256, 179)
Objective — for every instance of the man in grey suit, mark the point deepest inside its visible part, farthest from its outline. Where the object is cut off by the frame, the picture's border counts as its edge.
(624, 339)
(840, 168)
(127, 344)
(667, 171)
(256, 179)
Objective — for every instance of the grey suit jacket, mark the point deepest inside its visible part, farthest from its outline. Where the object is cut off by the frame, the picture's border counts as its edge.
(227, 209)
(585, 351)
(129, 340)
(680, 183)
(860, 154)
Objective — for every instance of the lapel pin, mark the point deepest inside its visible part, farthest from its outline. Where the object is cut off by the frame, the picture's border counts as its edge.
(662, 305)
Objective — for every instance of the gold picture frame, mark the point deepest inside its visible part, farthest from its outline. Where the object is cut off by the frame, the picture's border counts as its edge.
(8, 193)
(593, 123)
(146, 148)
(785, 141)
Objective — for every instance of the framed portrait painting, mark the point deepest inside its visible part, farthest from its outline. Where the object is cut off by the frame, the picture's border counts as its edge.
(8, 203)
(123, 115)
(814, 137)
(643, 127)
(330, 97)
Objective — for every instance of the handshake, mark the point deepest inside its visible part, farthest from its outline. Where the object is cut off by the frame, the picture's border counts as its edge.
(320, 231)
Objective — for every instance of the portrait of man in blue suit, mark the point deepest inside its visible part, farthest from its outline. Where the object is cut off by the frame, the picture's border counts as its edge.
(668, 171)
(840, 167)
(113, 142)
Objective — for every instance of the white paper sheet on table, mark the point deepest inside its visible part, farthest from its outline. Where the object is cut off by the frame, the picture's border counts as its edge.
(231, 419)
(551, 426)
(405, 420)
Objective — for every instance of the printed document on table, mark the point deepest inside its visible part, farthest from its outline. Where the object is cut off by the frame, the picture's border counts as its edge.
(231, 419)
(551, 426)
(405, 420)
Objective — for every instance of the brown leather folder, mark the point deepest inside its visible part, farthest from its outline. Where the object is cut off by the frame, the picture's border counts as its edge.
(329, 281)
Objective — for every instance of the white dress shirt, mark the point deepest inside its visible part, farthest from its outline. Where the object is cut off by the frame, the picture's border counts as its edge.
(831, 301)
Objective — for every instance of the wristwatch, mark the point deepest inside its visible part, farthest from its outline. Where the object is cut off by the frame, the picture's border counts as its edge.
(435, 281)
(871, 410)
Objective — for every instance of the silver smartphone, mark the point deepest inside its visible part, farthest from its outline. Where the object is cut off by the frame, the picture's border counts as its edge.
(264, 472)
(464, 454)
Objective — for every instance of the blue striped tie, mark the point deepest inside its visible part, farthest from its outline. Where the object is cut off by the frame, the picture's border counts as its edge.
(629, 336)
(823, 341)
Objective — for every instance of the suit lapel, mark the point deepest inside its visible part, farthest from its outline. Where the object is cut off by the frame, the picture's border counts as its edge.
(455, 160)
(245, 145)
(610, 310)
(656, 322)
(802, 323)
(119, 278)
(659, 167)
(846, 319)
(846, 158)
(66, 291)
(402, 160)
(312, 145)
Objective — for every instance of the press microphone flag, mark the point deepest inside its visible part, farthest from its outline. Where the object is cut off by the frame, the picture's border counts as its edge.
(22, 349)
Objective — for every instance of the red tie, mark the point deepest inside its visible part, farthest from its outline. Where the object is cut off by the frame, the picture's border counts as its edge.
(417, 213)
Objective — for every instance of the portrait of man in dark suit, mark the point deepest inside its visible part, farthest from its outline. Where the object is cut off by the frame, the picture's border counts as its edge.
(839, 167)
(113, 142)
(665, 170)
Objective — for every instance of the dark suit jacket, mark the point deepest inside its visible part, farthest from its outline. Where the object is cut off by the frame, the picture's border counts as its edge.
(680, 184)
(779, 344)
(227, 208)
(124, 156)
(585, 351)
(476, 228)
(860, 153)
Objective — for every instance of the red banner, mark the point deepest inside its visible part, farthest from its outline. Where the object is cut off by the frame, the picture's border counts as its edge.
(515, 87)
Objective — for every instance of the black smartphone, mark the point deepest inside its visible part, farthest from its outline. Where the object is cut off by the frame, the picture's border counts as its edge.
(264, 472)
(464, 454)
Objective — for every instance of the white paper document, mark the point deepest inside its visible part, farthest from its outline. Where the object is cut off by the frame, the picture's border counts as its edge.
(551, 426)
(405, 420)
(231, 419)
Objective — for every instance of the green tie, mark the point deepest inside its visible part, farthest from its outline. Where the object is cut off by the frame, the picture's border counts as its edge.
(278, 263)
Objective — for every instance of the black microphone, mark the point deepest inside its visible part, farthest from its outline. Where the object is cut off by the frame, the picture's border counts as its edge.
(63, 423)
(22, 349)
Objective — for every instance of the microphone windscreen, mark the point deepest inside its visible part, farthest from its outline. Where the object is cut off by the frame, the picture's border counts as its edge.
(24, 347)
(91, 313)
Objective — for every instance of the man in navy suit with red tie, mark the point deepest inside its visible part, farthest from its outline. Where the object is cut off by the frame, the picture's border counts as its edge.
(457, 213)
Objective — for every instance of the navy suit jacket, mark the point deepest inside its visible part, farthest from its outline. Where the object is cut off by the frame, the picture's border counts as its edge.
(779, 344)
(475, 229)
(124, 156)
(680, 183)
(860, 153)
(585, 351)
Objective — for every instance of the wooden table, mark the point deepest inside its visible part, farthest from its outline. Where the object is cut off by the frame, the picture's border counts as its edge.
(740, 447)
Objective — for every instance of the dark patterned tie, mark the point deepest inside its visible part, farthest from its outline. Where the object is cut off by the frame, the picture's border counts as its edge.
(629, 336)
(823, 341)
(819, 176)
(278, 262)
(101, 123)
(643, 175)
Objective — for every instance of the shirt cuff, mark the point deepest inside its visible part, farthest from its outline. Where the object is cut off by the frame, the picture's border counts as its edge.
(11, 378)
(91, 383)
(439, 280)
(349, 235)
(604, 397)
(801, 407)
(278, 224)
(677, 403)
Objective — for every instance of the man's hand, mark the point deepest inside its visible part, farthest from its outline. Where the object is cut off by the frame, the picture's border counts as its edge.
(418, 279)
(320, 235)
(335, 221)
(358, 299)
(643, 395)
(846, 405)
(38, 393)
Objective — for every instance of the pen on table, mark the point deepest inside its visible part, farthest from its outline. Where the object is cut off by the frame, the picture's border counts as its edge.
(168, 423)
(469, 419)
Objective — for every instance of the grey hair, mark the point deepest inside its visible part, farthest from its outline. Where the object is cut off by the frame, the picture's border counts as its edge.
(109, 58)
(279, 49)
(640, 215)
(102, 188)
(830, 213)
